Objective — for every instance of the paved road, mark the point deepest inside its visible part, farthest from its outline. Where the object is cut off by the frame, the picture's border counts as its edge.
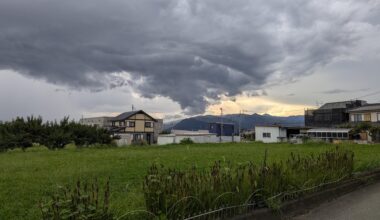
(363, 204)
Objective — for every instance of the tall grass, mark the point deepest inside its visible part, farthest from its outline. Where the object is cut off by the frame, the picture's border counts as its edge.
(175, 194)
(83, 201)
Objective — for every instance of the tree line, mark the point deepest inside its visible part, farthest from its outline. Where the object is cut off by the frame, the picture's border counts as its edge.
(25, 132)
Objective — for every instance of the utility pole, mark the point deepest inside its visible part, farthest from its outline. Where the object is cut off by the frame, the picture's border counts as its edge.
(241, 112)
(240, 122)
(221, 124)
(133, 108)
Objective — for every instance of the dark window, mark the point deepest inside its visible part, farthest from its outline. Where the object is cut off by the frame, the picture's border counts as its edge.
(334, 135)
(345, 135)
(148, 124)
(266, 135)
(329, 134)
(137, 137)
(131, 124)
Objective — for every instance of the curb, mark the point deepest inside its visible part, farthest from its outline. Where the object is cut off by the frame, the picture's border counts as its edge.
(303, 205)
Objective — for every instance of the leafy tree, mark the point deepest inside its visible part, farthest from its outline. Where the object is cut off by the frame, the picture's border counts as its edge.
(23, 133)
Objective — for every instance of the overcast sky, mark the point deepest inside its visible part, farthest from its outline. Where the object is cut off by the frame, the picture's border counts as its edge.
(185, 57)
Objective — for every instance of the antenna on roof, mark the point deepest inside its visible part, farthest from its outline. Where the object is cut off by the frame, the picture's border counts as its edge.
(319, 103)
(133, 108)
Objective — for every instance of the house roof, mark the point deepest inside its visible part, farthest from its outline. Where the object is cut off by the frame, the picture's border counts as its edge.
(335, 130)
(336, 105)
(367, 108)
(126, 115)
(282, 126)
(219, 123)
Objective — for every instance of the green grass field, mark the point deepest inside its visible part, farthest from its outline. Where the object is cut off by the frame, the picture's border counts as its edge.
(27, 177)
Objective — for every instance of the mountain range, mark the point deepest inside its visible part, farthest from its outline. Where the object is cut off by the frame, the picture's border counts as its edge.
(246, 121)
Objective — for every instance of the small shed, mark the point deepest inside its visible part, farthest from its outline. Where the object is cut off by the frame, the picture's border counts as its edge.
(270, 133)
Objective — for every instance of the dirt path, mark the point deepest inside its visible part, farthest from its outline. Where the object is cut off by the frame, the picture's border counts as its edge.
(363, 204)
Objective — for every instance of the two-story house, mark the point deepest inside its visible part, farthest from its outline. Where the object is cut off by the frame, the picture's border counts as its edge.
(135, 126)
(367, 113)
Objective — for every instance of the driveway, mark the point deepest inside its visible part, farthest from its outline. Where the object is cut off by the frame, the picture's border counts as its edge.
(363, 204)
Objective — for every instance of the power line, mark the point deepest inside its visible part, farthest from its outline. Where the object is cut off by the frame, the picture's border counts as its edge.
(370, 94)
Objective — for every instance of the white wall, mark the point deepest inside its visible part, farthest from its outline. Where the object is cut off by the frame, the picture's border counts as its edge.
(276, 133)
(125, 139)
(374, 117)
(212, 138)
(165, 139)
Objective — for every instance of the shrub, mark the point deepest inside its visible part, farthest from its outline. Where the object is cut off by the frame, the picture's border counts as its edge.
(83, 201)
(23, 133)
(139, 142)
(177, 194)
(186, 141)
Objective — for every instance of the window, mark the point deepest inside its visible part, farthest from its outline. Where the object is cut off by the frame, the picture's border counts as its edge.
(148, 124)
(131, 124)
(122, 123)
(367, 117)
(378, 116)
(358, 118)
(137, 137)
(266, 135)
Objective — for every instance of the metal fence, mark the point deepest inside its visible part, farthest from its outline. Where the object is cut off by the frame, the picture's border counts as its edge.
(236, 210)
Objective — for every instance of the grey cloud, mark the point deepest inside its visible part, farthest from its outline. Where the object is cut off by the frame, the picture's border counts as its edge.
(339, 91)
(335, 91)
(190, 51)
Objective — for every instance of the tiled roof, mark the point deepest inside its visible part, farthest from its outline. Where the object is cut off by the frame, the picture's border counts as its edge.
(367, 108)
(126, 115)
(345, 104)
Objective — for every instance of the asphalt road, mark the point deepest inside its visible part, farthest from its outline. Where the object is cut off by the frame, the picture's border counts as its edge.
(363, 204)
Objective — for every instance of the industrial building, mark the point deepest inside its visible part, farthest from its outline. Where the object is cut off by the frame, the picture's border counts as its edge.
(331, 114)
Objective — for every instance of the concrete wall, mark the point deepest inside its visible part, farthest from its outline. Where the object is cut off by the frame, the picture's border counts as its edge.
(100, 122)
(212, 138)
(158, 128)
(125, 139)
(276, 133)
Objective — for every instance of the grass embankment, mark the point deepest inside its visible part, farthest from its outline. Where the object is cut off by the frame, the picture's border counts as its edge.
(27, 177)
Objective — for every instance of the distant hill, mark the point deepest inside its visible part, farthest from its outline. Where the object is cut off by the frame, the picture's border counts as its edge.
(246, 121)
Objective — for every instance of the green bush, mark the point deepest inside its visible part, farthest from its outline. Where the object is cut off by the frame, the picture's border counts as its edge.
(139, 142)
(83, 201)
(24, 133)
(186, 141)
(177, 194)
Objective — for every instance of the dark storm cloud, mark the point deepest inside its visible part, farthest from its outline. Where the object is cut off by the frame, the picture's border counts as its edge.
(190, 51)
